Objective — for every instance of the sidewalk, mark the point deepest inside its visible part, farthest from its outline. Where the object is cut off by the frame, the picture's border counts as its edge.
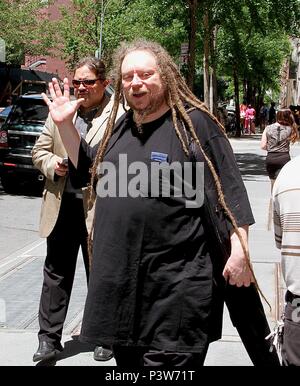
(21, 280)
(256, 136)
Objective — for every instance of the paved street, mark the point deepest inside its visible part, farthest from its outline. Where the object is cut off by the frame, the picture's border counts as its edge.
(22, 255)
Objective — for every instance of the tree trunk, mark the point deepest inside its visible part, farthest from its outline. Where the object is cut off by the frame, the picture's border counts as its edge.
(192, 43)
(244, 90)
(249, 92)
(211, 91)
(213, 73)
(237, 102)
(206, 58)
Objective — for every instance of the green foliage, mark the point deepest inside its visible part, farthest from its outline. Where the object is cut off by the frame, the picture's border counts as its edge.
(25, 29)
(252, 40)
(163, 21)
(252, 35)
(78, 30)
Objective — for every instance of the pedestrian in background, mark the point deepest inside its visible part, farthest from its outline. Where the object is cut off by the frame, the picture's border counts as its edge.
(276, 139)
(263, 116)
(250, 120)
(243, 108)
(67, 212)
(286, 204)
(272, 113)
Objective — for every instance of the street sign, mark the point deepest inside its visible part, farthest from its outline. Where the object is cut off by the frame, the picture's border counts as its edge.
(184, 53)
(184, 49)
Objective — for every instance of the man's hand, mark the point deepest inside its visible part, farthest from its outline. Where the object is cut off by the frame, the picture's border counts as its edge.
(236, 270)
(61, 109)
(61, 168)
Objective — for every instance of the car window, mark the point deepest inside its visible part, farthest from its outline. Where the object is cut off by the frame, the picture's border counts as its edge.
(4, 113)
(29, 110)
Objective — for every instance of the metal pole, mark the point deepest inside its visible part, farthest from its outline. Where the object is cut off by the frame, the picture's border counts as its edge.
(103, 9)
(101, 28)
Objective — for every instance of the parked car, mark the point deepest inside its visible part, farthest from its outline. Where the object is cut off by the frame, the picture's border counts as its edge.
(4, 111)
(19, 133)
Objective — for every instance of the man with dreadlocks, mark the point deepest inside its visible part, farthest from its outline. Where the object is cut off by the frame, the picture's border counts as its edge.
(153, 293)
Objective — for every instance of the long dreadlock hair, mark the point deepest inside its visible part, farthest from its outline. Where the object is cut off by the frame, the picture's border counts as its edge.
(178, 95)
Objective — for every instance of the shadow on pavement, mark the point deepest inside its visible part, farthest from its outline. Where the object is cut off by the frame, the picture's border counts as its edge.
(28, 190)
(251, 166)
(71, 348)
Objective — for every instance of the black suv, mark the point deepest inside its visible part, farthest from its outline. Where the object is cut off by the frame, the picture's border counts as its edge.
(21, 129)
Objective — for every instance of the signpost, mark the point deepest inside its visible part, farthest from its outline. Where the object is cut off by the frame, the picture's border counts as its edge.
(2, 51)
(184, 53)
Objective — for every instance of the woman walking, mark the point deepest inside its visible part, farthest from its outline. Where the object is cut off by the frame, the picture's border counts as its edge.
(276, 139)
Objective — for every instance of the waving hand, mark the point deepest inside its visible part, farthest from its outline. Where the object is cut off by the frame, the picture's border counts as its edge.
(61, 108)
(62, 111)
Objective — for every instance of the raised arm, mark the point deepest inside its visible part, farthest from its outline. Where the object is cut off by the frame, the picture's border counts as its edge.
(62, 111)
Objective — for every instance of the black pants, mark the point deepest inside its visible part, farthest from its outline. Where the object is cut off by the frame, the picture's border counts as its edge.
(247, 315)
(63, 245)
(143, 357)
(291, 333)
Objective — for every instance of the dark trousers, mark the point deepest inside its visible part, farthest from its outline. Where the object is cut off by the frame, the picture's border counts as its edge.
(63, 245)
(247, 315)
(144, 357)
(291, 332)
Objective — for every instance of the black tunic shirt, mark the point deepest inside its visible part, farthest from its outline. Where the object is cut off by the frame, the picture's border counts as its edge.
(151, 277)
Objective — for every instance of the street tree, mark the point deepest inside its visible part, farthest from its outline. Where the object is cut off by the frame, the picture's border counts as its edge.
(123, 20)
(242, 39)
(25, 28)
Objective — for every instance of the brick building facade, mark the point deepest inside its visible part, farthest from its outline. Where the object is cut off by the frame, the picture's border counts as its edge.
(51, 64)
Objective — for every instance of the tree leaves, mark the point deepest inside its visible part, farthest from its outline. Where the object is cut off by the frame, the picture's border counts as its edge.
(25, 28)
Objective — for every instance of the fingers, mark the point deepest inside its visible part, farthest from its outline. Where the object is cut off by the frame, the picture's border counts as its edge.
(61, 173)
(57, 88)
(232, 281)
(60, 169)
(54, 89)
(241, 279)
(56, 93)
(78, 102)
(46, 99)
(51, 91)
(244, 281)
(66, 88)
(225, 274)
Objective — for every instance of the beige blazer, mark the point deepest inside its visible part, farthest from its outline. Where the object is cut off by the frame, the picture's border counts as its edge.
(48, 150)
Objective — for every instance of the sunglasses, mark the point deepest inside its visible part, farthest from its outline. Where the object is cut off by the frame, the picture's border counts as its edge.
(86, 82)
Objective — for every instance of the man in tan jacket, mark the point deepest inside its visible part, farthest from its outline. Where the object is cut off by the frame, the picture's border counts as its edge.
(66, 213)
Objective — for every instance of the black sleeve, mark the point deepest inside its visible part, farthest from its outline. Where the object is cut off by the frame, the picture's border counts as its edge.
(233, 186)
(81, 176)
(218, 149)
